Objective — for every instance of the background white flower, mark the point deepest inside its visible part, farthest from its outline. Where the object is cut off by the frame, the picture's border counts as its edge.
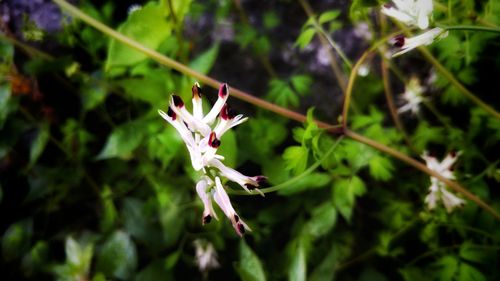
(437, 190)
(410, 12)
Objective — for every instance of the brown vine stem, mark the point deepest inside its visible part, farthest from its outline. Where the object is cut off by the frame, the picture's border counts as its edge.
(72, 10)
(410, 161)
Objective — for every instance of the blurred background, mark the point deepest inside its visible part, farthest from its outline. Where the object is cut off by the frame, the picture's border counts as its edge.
(95, 185)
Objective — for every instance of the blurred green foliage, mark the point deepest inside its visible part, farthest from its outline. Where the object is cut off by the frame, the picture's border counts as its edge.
(94, 185)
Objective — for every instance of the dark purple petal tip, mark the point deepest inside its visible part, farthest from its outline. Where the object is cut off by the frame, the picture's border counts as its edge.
(213, 141)
(207, 219)
(399, 41)
(171, 113)
(196, 90)
(178, 102)
(223, 90)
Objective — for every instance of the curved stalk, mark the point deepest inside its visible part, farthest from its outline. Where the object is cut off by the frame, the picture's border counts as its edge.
(294, 179)
(471, 28)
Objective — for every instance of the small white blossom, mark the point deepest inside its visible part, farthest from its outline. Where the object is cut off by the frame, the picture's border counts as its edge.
(206, 256)
(426, 38)
(412, 96)
(437, 190)
(202, 142)
(410, 12)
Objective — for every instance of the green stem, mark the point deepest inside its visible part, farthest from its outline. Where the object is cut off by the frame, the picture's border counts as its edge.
(405, 158)
(294, 179)
(471, 28)
(320, 29)
(457, 84)
(75, 12)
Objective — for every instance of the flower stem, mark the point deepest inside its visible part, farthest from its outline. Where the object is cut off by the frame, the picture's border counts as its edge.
(294, 179)
(405, 158)
(457, 84)
(471, 28)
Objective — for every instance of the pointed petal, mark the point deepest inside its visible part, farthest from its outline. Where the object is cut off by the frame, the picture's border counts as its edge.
(185, 134)
(193, 124)
(197, 101)
(221, 100)
(450, 200)
(205, 196)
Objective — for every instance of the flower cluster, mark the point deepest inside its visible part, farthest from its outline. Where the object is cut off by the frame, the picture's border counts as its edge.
(437, 190)
(413, 13)
(206, 256)
(202, 143)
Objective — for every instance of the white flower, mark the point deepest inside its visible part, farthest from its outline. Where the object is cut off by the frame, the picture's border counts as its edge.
(410, 12)
(437, 190)
(202, 143)
(206, 256)
(412, 96)
(426, 38)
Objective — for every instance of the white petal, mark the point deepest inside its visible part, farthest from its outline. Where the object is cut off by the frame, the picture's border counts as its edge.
(185, 134)
(221, 100)
(205, 196)
(197, 102)
(221, 198)
(232, 174)
(193, 123)
(398, 15)
(225, 125)
(450, 200)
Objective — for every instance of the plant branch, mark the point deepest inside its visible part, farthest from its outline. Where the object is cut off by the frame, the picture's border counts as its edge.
(471, 28)
(425, 52)
(294, 179)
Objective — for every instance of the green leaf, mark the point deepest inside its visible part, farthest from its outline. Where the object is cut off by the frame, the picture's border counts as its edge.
(205, 61)
(39, 143)
(328, 16)
(425, 134)
(296, 158)
(79, 256)
(109, 214)
(311, 181)
(345, 192)
(123, 140)
(147, 26)
(381, 168)
(279, 92)
(16, 239)
(302, 84)
(229, 148)
(118, 256)
(249, 267)
(447, 267)
(7, 104)
(270, 20)
(323, 219)
(473, 254)
(150, 88)
(36, 259)
(467, 272)
(297, 270)
(305, 37)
